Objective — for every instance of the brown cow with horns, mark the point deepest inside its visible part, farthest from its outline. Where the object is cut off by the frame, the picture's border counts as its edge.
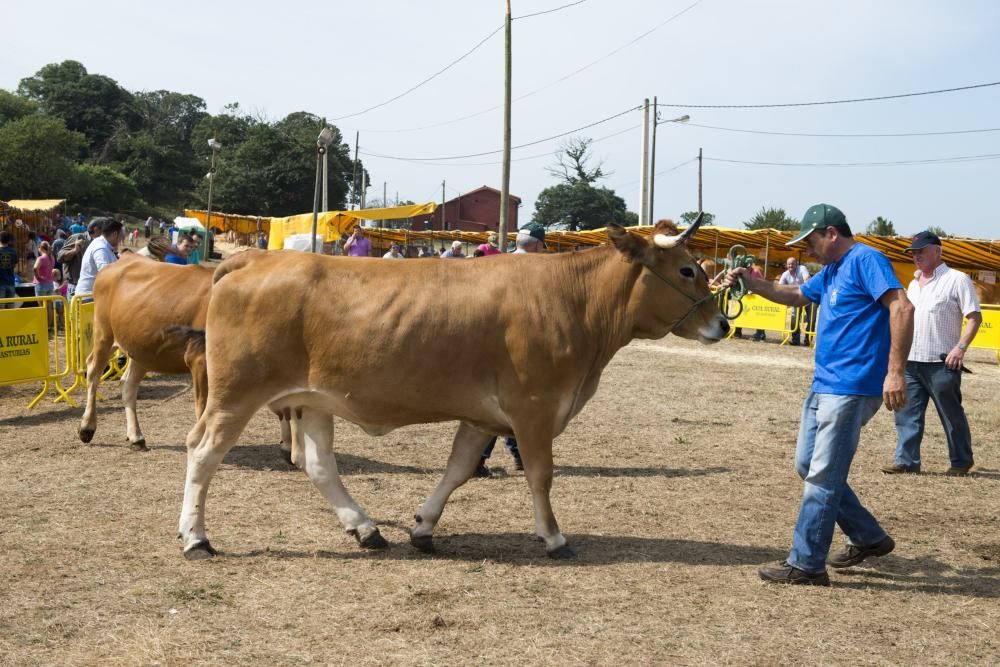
(371, 356)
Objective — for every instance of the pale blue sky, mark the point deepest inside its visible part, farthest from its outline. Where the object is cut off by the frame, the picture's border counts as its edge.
(277, 58)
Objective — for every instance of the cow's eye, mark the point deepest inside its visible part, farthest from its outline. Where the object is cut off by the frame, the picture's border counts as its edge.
(687, 272)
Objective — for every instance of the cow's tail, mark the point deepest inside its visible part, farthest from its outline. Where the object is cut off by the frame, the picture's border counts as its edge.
(190, 342)
(236, 262)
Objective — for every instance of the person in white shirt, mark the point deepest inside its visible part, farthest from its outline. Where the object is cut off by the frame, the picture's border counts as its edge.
(102, 251)
(393, 252)
(796, 274)
(942, 297)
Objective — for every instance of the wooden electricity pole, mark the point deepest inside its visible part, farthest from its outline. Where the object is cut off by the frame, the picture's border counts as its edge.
(644, 167)
(699, 181)
(505, 176)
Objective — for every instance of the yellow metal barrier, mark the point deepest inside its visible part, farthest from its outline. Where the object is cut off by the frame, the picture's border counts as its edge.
(79, 343)
(29, 349)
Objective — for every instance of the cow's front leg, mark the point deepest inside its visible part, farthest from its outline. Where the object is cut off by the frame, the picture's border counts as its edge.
(100, 353)
(466, 450)
(321, 466)
(130, 392)
(536, 452)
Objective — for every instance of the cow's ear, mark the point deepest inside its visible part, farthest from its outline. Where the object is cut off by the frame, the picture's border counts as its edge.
(631, 246)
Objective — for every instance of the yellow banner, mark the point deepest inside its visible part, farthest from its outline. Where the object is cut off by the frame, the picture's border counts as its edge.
(24, 345)
(988, 336)
(759, 313)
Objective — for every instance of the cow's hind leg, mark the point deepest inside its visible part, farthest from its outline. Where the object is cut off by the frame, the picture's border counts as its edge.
(213, 435)
(466, 450)
(130, 392)
(285, 446)
(321, 466)
(100, 353)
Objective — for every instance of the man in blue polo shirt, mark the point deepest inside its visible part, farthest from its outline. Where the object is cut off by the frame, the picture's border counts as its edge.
(863, 338)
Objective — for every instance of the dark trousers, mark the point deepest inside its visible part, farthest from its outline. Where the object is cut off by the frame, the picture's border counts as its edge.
(510, 443)
(932, 381)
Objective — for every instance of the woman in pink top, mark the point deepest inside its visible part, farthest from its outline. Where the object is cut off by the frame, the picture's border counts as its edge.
(42, 270)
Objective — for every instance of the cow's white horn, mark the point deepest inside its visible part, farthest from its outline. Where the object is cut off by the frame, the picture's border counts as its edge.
(664, 241)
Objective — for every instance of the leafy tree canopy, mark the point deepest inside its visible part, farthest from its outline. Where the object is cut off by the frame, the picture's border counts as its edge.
(13, 107)
(581, 206)
(938, 231)
(92, 104)
(37, 157)
(880, 227)
(688, 217)
(571, 163)
(772, 218)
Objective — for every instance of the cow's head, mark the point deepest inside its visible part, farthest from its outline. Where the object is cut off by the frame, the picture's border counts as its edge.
(671, 293)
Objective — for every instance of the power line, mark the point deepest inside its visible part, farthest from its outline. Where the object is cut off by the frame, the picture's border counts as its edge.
(807, 134)
(955, 159)
(549, 11)
(530, 143)
(551, 83)
(825, 102)
(630, 184)
(427, 80)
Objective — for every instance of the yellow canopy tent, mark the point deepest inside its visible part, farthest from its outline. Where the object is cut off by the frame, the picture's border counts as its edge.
(35, 205)
(332, 225)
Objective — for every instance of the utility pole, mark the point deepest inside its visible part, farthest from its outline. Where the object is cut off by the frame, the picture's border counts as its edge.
(644, 167)
(354, 174)
(444, 225)
(505, 172)
(326, 180)
(364, 187)
(699, 181)
(652, 165)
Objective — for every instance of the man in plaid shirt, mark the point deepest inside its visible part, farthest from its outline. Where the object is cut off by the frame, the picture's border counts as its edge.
(942, 297)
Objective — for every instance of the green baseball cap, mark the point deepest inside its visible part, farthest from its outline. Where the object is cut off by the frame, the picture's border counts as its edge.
(819, 216)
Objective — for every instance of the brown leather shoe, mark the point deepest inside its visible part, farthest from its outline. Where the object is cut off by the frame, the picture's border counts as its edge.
(958, 471)
(783, 573)
(852, 554)
(896, 469)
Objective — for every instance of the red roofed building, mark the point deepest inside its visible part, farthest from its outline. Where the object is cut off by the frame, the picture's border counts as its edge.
(475, 211)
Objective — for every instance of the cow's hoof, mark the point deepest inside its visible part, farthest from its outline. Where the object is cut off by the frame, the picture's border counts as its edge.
(424, 543)
(565, 552)
(373, 540)
(86, 434)
(139, 446)
(286, 454)
(200, 550)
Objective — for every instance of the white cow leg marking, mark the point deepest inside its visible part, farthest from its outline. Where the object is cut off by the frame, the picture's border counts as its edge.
(214, 437)
(466, 450)
(316, 429)
(130, 392)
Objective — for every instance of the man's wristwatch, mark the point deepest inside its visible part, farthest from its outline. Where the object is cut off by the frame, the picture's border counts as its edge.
(963, 347)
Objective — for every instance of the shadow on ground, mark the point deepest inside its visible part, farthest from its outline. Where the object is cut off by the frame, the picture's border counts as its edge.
(524, 549)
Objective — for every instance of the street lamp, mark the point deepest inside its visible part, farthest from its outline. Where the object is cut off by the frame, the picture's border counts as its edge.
(215, 146)
(652, 166)
(323, 142)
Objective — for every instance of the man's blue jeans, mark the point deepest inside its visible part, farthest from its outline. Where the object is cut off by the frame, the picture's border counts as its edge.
(828, 438)
(936, 382)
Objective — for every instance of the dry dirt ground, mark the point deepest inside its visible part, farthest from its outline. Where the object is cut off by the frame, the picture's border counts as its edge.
(675, 484)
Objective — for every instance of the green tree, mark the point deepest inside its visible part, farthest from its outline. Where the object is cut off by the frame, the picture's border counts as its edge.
(581, 206)
(92, 104)
(576, 203)
(880, 227)
(37, 157)
(772, 218)
(688, 217)
(159, 155)
(272, 171)
(938, 231)
(101, 187)
(13, 107)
